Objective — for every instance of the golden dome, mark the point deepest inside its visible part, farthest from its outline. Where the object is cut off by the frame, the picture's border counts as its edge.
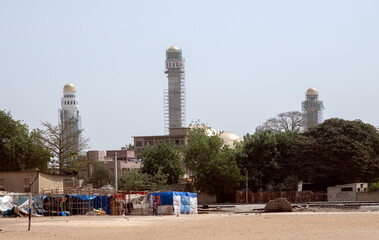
(312, 91)
(173, 49)
(69, 87)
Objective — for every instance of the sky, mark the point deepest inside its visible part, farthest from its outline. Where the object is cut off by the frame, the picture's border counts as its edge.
(246, 61)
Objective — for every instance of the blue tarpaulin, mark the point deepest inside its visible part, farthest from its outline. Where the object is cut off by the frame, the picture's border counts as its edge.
(97, 202)
(181, 201)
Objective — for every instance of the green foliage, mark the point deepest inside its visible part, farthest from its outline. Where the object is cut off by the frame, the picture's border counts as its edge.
(135, 181)
(101, 176)
(162, 159)
(128, 147)
(212, 163)
(20, 150)
(138, 181)
(374, 187)
(259, 156)
(270, 159)
(341, 151)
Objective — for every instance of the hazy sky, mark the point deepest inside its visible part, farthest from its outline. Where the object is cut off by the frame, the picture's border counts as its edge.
(246, 61)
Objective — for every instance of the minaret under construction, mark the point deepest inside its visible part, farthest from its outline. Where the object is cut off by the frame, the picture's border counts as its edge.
(313, 108)
(175, 95)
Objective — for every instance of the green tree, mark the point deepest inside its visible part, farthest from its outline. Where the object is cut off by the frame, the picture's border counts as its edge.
(128, 147)
(138, 181)
(270, 158)
(259, 155)
(162, 158)
(20, 150)
(101, 176)
(340, 151)
(213, 164)
(65, 147)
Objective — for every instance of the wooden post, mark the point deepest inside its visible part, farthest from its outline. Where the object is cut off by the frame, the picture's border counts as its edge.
(30, 210)
(247, 186)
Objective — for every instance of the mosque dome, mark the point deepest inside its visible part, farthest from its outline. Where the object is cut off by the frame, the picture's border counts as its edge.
(69, 87)
(173, 49)
(312, 91)
(229, 138)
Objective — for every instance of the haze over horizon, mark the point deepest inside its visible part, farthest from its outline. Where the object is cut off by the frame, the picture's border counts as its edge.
(246, 61)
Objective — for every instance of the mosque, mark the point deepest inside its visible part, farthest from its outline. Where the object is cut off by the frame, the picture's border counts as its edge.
(175, 112)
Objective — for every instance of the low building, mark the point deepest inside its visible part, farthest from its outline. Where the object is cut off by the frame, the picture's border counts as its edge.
(126, 161)
(346, 192)
(30, 181)
(179, 136)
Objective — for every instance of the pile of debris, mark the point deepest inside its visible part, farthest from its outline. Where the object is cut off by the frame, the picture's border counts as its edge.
(14, 206)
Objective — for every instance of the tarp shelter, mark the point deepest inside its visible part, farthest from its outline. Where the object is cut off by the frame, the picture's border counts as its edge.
(8, 202)
(79, 203)
(176, 202)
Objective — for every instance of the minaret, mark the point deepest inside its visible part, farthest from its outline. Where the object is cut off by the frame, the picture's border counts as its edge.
(69, 114)
(175, 96)
(313, 108)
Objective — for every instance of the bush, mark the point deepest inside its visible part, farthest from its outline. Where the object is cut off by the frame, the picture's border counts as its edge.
(373, 187)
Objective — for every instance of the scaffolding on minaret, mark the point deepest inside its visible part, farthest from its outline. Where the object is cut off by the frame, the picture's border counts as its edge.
(175, 96)
(313, 108)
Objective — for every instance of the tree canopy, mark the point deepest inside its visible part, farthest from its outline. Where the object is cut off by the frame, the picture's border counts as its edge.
(19, 149)
(213, 164)
(101, 176)
(162, 158)
(340, 151)
(288, 121)
(128, 147)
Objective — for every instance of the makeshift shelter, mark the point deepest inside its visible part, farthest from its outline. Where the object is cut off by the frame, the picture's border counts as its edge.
(82, 204)
(175, 202)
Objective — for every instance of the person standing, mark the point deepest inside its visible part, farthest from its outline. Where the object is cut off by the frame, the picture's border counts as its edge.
(155, 207)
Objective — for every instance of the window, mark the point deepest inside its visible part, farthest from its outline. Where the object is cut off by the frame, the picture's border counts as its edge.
(27, 184)
(347, 189)
(26, 181)
(139, 144)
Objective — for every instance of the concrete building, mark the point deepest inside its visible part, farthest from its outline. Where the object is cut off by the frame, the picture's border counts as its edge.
(30, 181)
(179, 136)
(346, 192)
(176, 135)
(175, 95)
(126, 161)
(313, 108)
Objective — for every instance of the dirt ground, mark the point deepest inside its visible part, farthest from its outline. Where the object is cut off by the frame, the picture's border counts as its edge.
(296, 225)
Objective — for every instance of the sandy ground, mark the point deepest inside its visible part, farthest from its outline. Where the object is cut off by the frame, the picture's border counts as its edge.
(296, 225)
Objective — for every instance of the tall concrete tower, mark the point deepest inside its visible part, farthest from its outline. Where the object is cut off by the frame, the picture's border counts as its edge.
(69, 117)
(175, 95)
(313, 108)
